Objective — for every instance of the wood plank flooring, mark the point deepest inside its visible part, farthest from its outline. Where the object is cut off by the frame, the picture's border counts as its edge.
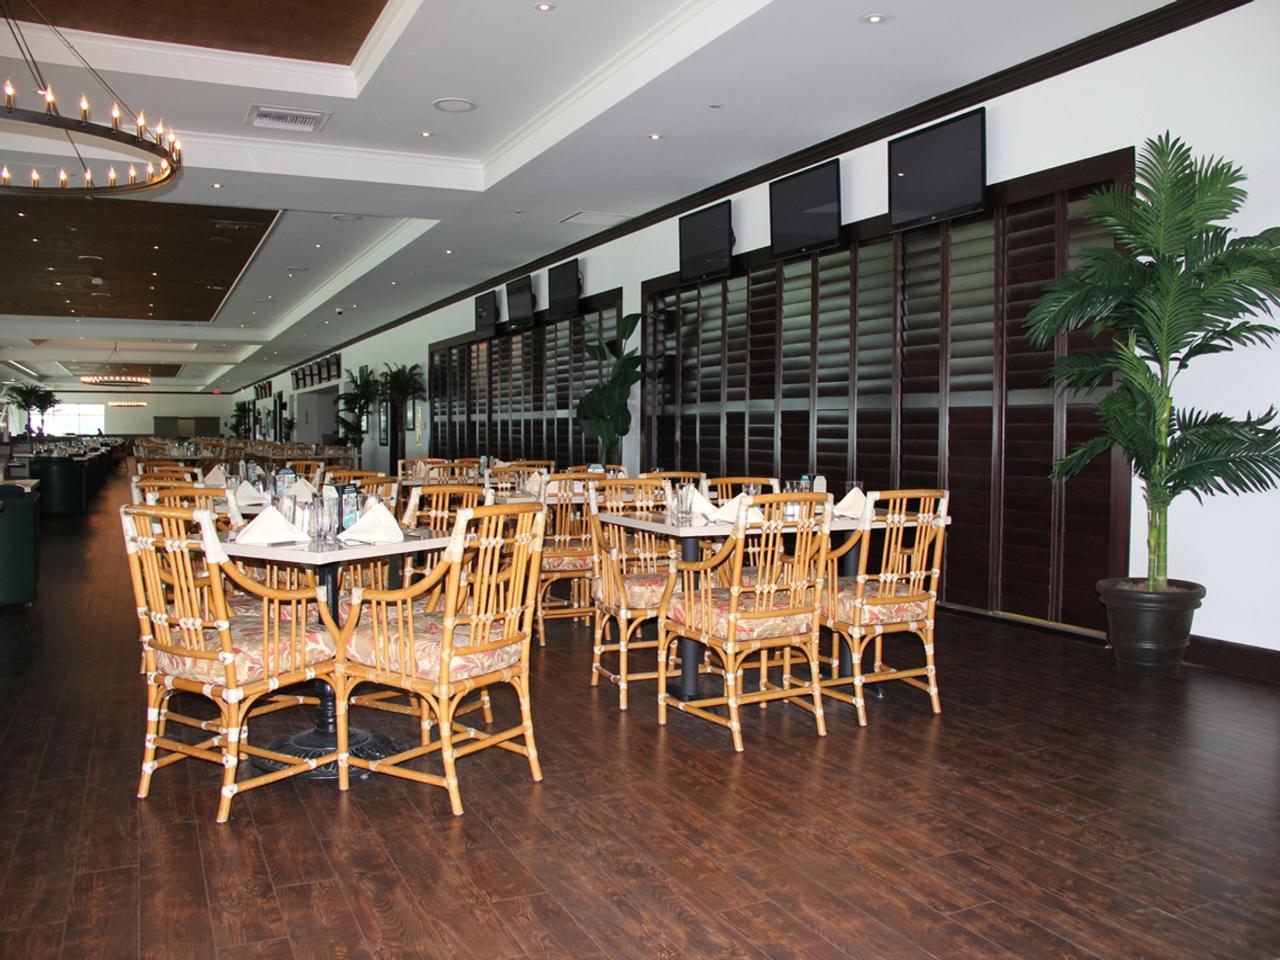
(1054, 810)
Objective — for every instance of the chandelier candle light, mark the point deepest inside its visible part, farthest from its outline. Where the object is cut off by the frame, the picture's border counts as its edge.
(160, 146)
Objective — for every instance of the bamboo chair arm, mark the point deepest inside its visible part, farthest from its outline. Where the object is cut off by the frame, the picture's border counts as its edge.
(710, 563)
(255, 589)
(855, 538)
(428, 581)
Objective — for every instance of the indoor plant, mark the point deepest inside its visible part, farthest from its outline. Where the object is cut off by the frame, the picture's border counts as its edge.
(1176, 285)
(361, 394)
(400, 386)
(603, 411)
(32, 397)
(242, 419)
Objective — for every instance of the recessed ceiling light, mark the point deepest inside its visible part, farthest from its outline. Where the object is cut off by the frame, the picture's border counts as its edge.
(355, 306)
(454, 104)
(874, 18)
(319, 245)
(655, 136)
(57, 283)
(48, 268)
(424, 133)
(35, 239)
(291, 274)
(544, 7)
(216, 186)
(22, 214)
(393, 283)
(155, 247)
(449, 251)
(154, 274)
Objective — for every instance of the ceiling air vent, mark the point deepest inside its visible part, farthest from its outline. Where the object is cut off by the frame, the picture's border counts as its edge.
(286, 118)
(594, 218)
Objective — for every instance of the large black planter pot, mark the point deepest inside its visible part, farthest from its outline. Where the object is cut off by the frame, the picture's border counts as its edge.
(1148, 632)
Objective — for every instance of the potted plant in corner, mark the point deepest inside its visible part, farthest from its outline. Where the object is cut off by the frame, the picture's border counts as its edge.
(603, 412)
(1177, 285)
(360, 397)
(32, 397)
(401, 385)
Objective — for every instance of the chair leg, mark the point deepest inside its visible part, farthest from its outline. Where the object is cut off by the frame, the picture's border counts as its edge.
(623, 631)
(931, 669)
(447, 756)
(526, 716)
(544, 587)
(764, 676)
(663, 646)
(598, 648)
(732, 678)
(815, 686)
(425, 721)
(232, 721)
(486, 707)
(155, 701)
(341, 692)
(857, 646)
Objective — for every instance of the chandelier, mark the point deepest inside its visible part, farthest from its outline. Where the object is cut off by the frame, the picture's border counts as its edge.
(126, 403)
(114, 380)
(156, 151)
(110, 379)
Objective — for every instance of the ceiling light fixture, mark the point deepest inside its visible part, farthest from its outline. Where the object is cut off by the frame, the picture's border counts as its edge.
(216, 186)
(424, 133)
(126, 403)
(655, 136)
(158, 146)
(454, 104)
(114, 379)
(544, 7)
(874, 18)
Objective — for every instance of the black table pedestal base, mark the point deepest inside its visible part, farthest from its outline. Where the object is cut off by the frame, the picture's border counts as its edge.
(314, 742)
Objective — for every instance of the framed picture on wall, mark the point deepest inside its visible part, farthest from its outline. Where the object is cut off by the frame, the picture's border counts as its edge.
(384, 416)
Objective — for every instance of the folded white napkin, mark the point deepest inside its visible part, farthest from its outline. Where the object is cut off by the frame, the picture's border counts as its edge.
(852, 505)
(728, 512)
(376, 526)
(269, 527)
(701, 506)
(215, 477)
(233, 509)
(410, 516)
(247, 494)
(302, 490)
(533, 486)
(420, 470)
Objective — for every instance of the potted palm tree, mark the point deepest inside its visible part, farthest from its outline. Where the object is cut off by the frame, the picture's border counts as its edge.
(603, 411)
(32, 397)
(242, 419)
(401, 385)
(360, 397)
(1177, 285)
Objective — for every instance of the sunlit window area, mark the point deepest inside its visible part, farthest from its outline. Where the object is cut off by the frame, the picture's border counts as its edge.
(73, 418)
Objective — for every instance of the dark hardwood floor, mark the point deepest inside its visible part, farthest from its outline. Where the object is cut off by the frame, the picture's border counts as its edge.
(1053, 810)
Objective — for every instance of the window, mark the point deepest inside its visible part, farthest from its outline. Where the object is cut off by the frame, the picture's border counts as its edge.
(900, 361)
(68, 418)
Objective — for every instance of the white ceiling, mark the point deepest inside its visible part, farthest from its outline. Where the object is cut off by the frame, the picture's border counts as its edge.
(566, 101)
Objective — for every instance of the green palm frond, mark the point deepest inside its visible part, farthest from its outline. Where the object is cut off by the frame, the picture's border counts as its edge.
(1212, 453)
(402, 384)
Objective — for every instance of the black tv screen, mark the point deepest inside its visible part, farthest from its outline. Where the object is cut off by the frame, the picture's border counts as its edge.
(564, 287)
(706, 243)
(486, 311)
(804, 210)
(520, 302)
(939, 172)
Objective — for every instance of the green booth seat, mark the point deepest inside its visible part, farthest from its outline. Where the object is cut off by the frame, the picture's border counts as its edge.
(63, 484)
(19, 544)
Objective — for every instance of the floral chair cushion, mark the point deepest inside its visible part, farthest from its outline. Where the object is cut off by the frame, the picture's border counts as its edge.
(916, 608)
(428, 638)
(565, 562)
(248, 644)
(713, 618)
(644, 590)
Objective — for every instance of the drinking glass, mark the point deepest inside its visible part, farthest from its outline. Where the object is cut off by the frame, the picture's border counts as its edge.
(287, 505)
(684, 503)
(330, 515)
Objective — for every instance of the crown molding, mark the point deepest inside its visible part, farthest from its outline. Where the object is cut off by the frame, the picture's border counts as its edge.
(675, 37)
(387, 30)
(327, 161)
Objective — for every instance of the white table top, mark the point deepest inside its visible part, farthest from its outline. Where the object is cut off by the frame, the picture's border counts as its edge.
(313, 553)
(658, 523)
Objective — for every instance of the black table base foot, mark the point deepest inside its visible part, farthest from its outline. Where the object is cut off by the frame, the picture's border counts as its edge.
(312, 743)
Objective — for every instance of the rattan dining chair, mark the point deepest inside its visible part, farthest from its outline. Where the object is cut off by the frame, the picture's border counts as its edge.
(899, 596)
(626, 586)
(476, 638)
(566, 557)
(678, 476)
(194, 643)
(310, 470)
(776, 610)
(723, 489)
(340, 475)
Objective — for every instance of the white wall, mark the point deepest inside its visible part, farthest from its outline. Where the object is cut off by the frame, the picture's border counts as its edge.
(1178, 83)
(142, 419)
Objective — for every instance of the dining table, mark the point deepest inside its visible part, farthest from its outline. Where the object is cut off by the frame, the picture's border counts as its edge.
(327, 560)
(691, 534)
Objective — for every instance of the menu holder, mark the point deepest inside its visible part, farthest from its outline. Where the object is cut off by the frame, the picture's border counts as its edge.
(349, 498)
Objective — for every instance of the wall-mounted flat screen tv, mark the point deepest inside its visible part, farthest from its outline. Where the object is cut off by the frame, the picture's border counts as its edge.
(804, 210)
(939, 172)
(520, 302)
(486, 312)
(564, 287)
(706, 243)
